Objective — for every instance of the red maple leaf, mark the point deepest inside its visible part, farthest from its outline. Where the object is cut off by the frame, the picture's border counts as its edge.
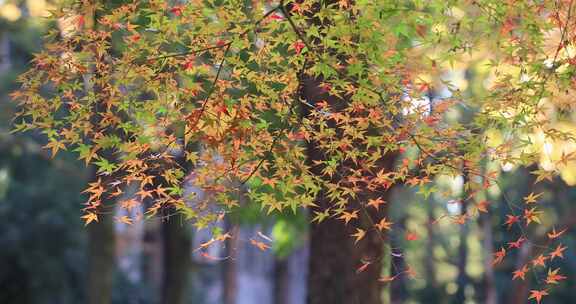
(511, 220)
(411, 236)
(499, 256)
(298, 46)
(177, 10)
(517, 243)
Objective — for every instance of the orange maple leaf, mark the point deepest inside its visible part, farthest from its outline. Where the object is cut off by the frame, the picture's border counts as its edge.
(383, 224)
(387, 279)
(259, 245)
(124, 219)
(554, 235)
(363, 267)
(375, 203)
(553, 277)
(558, 252)
(347, 216)
(540, 261)
(482, 206)
(358, 235)
(520, 273)
(538, 295)
(144, 194)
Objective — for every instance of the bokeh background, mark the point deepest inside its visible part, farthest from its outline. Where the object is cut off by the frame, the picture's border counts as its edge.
(48, 256)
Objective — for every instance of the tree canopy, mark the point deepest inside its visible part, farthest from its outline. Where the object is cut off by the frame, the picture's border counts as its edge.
(288, 101)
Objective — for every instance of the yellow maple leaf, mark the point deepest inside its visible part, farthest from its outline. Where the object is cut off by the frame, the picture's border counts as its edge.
(89, 218)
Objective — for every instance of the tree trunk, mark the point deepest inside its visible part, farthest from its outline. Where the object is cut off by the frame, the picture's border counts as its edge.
(490, 292)
(177, 245)
(281, 281)
(230, 265)
(101, 245)
(462, 279)
(398, 287)
(334, 257)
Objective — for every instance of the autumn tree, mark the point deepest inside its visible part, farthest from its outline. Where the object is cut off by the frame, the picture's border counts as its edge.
(322, 105)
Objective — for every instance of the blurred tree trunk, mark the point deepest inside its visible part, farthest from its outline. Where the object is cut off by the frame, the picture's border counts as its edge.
(520, 287)
(281, 281)
(429, 267)
(462, 279)
(398, 287)
(490, 294)
(230, 265)
(101, 236)
(101, 245)
(177, 244)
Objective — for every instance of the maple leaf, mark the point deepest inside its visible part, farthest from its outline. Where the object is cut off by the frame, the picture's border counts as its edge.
(276, 16)
(520, 273)
(124, 219)
(460, 219)
(144, 194)
(565, 158)
(375, 203)
(538, 295)
(499, 256)
(347, 216)
(358, 235)
(553, 277)
(539, 261)
(223, 237)
(387, 279)
(410, 272)
(531, 215)
(129, 204)
(511, 220)
(260, 245)
(117, 192)
(383, 225)
(54, 147)
(542, 174)
(517, 243)
(89, 218)
(558, 252)
(411, 236)
(554, 235)
(532, 198)
(363, 267)
(482, 206)
(298, 46)
(177, 10)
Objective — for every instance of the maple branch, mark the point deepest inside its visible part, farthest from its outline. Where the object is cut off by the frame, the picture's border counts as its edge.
(242, 34)
(563, 32)
(191, 52)
(284, 127)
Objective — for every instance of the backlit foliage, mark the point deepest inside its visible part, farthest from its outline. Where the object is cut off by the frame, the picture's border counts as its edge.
(152, 88)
